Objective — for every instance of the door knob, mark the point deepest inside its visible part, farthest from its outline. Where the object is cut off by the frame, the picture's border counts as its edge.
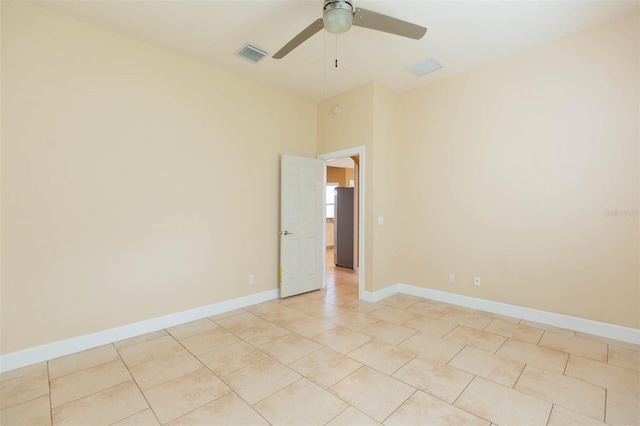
(287, 233)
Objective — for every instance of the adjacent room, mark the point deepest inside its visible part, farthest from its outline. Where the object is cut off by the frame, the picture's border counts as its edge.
(320, 212)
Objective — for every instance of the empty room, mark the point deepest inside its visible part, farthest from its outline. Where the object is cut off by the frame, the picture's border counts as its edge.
(333, 212)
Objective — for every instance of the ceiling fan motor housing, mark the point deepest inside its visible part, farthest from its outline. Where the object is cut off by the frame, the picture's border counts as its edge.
(337, 16)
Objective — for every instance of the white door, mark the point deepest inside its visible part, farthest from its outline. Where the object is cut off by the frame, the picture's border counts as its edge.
(301, 227)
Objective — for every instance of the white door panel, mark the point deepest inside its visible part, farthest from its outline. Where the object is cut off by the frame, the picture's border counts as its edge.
(301, 227)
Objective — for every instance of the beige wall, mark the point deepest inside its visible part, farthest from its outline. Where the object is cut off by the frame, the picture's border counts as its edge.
(116, 200)
(506, 172)
(386, 161)
(339, 175)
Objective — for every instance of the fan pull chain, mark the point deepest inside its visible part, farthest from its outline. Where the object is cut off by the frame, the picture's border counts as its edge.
(336, 51)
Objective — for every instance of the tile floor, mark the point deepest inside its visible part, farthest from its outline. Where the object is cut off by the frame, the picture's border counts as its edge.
(327, 358)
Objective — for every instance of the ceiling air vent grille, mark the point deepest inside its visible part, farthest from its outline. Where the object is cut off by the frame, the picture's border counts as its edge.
(424, 67)
(251, 53)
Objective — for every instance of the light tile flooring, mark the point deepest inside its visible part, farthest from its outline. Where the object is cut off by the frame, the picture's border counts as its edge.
(327, 358)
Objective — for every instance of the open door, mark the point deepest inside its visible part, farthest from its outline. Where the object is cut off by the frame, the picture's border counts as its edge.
(301, 227)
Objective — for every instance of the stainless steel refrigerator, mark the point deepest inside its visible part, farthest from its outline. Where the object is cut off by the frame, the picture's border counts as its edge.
(343, 227)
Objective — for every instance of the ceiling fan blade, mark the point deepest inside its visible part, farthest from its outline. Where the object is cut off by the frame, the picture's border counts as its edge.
(316, 26)
(376, 21)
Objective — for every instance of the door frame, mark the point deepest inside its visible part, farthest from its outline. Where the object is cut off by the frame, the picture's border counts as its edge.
(349, 152)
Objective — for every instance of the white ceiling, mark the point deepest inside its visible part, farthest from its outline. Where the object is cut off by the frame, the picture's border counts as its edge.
(461, 35)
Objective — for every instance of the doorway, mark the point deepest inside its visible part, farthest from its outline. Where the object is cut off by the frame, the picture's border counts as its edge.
(332, 273)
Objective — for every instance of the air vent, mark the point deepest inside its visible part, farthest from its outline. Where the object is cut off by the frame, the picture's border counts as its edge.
(424, 67)
(251, 53)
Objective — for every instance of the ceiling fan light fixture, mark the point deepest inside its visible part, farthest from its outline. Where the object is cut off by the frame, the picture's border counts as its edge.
(337, 16)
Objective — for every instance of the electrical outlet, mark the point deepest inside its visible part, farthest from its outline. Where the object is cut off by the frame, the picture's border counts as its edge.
(476, 280)
(452, 278)
(252, 279)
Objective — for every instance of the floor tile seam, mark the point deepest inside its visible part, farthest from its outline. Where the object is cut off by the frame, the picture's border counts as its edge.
(357, 347)
(329, 388)
(226, 346)
(622, 366)
(606, 389)
(165, 382)
(570, 377)
(340, 413)
(488, 332)
(378, 370)
(130, 379)
(606, 364)
(192, 335)
(310, 338)
(550, 411)
(144, 341)
(435, 396)
(86, 368)
(552, 349)
(453, 404)
(513, 337)
(29, 400)
(502, 344)
(49, 394)
(400, 405)
(450, 331)
(297, 359)
(27, 375)
(189, 412)
(394, 344)
(523, 393)
(487, 378)
(556, 403)
(276, 324)
(221, 376)
(211, 317)
(569, 353)
(636, 349)
(95, 393)
(271, 394)
(135, 414)
(228, 384)
(332, 391)
(245, 340)
(119, 358)
(519, 375)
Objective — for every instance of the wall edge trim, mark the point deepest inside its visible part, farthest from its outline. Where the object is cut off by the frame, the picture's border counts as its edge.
(48, 351)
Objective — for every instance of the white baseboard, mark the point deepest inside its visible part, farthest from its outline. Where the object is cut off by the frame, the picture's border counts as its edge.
(602, 329)
(60, 348)
(373, 297)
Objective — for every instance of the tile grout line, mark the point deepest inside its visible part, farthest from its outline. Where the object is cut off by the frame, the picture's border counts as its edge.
(400, 405)
(550, 411)
(50, 401)
(519, 375)
(339, 414)
(138, 385)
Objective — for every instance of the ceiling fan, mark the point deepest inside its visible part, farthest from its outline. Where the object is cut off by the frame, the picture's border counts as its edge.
(337, 18)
